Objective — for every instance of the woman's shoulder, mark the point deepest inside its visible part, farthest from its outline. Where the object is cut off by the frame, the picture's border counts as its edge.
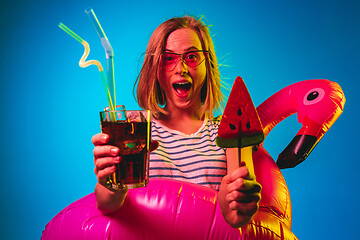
(216, 119)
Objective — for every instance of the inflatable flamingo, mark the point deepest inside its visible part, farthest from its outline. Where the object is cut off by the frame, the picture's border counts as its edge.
(168, 209)
(318, 103)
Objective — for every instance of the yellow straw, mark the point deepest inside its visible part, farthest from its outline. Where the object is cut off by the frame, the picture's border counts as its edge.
(83, 63)
(148, 129)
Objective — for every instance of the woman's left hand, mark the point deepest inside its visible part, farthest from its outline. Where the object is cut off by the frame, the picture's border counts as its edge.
(239, 197)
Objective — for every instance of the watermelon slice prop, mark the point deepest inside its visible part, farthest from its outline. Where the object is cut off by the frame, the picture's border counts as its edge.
(240, 126)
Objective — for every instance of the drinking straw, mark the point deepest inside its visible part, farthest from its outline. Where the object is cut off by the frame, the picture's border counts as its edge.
(109, 53)
(83, 63)
(148, 129)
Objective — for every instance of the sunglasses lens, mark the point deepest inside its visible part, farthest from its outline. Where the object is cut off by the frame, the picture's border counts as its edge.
(191, 59)
(169, 60)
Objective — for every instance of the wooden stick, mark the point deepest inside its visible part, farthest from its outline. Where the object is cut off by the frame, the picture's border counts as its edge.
(246, 156)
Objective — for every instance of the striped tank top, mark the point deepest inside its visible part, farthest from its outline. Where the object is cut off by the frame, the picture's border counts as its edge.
(191, 158)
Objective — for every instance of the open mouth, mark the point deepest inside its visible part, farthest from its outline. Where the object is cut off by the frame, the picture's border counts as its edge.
(182, 88)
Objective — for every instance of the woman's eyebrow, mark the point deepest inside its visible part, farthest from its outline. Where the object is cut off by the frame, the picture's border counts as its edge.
(192, 48)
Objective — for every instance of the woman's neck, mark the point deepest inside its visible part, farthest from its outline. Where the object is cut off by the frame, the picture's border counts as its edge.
(182, 122)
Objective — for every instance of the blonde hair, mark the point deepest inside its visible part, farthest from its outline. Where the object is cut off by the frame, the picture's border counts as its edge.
(151, 96)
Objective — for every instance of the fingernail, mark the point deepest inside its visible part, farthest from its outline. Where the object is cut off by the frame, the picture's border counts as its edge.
(116, 159)
(105, 137)
(114, 151)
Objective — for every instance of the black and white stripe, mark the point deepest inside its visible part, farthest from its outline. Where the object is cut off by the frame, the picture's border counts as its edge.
(192, 158)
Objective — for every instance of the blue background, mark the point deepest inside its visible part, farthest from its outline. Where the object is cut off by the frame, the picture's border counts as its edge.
(50, 105)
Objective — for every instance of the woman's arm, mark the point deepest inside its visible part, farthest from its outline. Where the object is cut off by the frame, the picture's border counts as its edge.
(107, 201)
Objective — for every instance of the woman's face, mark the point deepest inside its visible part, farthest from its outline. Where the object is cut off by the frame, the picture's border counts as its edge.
(182, 83)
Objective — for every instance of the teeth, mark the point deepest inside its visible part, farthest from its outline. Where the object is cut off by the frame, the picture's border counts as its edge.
(182, 84)
(182, 87)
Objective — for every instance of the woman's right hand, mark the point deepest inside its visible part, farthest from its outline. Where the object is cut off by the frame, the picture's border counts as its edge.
(105, 157)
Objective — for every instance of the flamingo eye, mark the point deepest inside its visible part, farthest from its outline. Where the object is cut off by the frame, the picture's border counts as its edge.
(313, 96)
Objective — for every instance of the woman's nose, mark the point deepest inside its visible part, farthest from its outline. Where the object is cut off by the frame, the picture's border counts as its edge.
(181, 67)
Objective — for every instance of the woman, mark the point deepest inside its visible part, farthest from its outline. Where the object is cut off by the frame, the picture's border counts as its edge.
(180, 83)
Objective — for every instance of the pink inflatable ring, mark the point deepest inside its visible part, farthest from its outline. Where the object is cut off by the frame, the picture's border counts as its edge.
(168, 209)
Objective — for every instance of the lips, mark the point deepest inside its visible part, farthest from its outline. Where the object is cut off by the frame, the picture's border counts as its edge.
(182, 88)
